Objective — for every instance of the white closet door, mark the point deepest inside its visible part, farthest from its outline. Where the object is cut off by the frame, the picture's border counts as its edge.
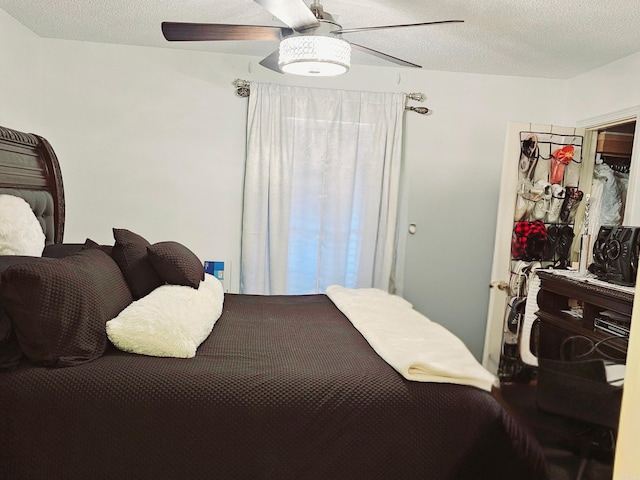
(500, 272)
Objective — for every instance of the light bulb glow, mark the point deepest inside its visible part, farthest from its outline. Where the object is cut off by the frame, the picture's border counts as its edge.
(314, 55)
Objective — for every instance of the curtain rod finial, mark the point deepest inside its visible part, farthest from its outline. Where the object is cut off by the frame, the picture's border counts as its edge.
(420, 110)
(243, 87)
(417, 96)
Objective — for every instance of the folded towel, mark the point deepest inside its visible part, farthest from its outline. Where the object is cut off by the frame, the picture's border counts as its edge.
(418, 348)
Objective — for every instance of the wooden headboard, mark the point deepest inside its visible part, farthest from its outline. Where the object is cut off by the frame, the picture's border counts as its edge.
(29, 169)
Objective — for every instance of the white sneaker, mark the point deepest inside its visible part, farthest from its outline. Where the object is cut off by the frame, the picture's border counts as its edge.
(557, 199)
(541, 208)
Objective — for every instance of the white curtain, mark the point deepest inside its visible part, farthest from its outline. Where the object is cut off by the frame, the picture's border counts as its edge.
(322, 189)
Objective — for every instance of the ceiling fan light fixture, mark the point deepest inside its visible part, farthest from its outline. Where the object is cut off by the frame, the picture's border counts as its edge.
(314, 55)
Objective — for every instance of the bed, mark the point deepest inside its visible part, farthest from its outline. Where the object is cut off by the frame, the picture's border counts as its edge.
(282, 387)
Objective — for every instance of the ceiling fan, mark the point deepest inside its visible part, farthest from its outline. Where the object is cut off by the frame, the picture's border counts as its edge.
(311, 44)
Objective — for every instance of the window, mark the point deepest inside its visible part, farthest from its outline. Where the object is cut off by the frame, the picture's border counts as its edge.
(321, 189)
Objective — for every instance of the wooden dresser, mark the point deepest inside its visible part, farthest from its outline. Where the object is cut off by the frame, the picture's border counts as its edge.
(592, 312)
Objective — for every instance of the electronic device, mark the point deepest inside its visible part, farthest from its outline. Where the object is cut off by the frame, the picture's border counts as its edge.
(613, 328)
(615, 254)
(600, 250)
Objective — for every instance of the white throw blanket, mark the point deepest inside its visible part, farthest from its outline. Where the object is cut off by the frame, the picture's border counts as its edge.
(415, 346)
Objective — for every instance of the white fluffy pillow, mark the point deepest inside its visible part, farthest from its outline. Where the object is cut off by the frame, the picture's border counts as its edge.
(20, 231)
(171, 321)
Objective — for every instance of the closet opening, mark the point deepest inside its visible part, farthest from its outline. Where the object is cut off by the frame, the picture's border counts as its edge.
(610, 186)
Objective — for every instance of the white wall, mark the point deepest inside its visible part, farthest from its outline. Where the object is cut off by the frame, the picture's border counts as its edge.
(607, 89)
(149, 140)
(20, 79)
(455, 161)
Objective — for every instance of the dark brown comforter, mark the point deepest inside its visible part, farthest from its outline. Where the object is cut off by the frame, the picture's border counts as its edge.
(284, 388)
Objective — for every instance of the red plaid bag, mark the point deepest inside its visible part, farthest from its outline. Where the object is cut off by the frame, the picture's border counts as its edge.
(528, 241)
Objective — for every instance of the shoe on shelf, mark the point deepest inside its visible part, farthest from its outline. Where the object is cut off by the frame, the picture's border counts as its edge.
(557, 199)
(572, 199)
(529, 154)
(543, 203)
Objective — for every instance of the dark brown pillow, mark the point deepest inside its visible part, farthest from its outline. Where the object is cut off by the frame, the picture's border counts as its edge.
(10, 353)
(88, 243)
(130, 253)
(176, 264)
(59, 306)
(59, 250)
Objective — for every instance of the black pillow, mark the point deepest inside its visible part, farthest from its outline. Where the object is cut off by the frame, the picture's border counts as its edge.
(7, 261)
(10, 353)
(130, 253)
(59, 306)
(88, 243)
(59, 250)
(176, 264)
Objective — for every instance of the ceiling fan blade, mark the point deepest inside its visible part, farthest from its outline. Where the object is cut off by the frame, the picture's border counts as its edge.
(271, 62)
(294, 13)
(381, 27)
(185, 32)
(384, 56)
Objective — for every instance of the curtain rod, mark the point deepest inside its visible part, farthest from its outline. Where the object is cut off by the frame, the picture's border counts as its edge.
(243, 89)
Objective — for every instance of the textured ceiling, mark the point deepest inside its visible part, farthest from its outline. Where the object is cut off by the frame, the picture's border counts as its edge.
(534, 38)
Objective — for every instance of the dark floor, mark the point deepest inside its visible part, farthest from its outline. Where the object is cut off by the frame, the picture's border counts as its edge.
(564, 465)
(562, 439)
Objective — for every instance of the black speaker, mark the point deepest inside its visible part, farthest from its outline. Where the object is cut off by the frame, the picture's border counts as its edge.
(600, 250)
(615, 254)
